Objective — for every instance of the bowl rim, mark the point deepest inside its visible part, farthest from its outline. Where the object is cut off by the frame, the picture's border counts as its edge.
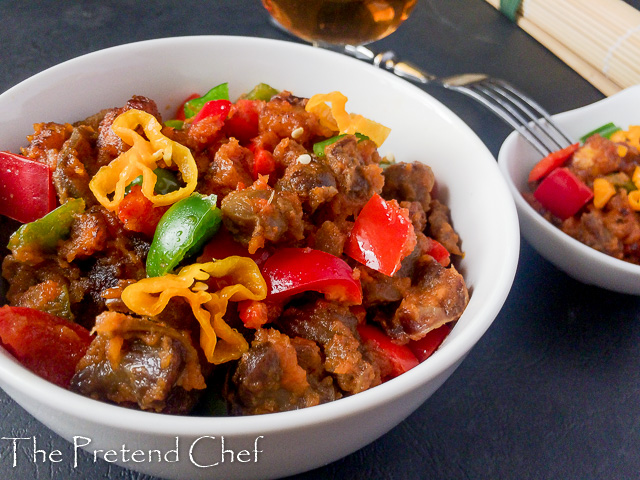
(448, 356)
(506, 160)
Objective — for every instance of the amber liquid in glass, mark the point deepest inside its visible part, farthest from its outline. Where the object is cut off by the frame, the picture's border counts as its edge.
(340, 22)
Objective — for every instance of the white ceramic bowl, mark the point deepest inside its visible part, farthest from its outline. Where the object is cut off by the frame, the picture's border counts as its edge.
(517, 157)
(168, 70)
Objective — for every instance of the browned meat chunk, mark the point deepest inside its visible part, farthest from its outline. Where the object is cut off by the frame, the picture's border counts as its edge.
(24, 276)
(258, 214)
(333, 327)
(614, 230)
(283, 114)
(417, 215)
(205, 132)
(313, 183)
(279, 374)
(136, 362)
(46, 142)
(310, 358)
(440, 227)
(624, 225)
(381, 289)
(438, 296)
(411, 182)
(88, 235)
(70, 177)
(368, 152)
(599, 156)
(357, 180)
(229, 170)
(108, 143)
(285, 152)
(49, 296)
(331, 237)
(121, 258)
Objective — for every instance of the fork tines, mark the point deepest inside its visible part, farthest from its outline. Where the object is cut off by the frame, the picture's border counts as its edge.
(525, 115)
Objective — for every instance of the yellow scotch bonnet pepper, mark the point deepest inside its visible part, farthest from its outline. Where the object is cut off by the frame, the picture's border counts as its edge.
(634, 200)
(336, 117)
(634, 195)
(240, 279)
(141, 159)
(630, 136)
(635, 177)
(603, 190)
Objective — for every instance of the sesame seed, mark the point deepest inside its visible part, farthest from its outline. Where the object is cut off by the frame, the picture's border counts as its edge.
(297, 133)
(304, 159)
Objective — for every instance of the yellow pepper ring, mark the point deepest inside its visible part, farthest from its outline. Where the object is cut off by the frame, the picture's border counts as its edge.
(337, 118)
(141, 159)
(220, 343)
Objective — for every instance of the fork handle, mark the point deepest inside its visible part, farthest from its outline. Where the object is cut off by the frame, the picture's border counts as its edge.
(388, 60)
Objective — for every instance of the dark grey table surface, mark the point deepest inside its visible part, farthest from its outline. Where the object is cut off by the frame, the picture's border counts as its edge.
(552, 391)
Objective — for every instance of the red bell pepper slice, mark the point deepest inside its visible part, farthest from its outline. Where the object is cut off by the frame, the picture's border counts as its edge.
(438, 252)
(47, 345)
(295, 270)
(551, 162)
(400, 357)
(214, 108)
(382, 236)
(26, 188)
(562, 193)
(263, 162)
(242, 122)
(428, 344)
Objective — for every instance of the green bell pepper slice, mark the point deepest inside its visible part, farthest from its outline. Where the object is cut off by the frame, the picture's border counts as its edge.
(176, 124)
(166, 182)
(318, 148)
(219, 92)
(605, 131)
(182, 231)
(262, 91)
(47, 231)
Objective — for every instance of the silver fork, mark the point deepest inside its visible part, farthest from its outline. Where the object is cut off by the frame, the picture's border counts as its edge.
(521, 112)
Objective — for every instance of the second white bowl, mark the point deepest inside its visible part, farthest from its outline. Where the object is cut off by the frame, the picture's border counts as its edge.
(517, 157)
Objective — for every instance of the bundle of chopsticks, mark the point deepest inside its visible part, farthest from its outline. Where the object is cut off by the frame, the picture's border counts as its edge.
(599, 39)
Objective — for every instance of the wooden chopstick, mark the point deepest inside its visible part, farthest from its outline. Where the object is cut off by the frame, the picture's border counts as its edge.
(599, 39)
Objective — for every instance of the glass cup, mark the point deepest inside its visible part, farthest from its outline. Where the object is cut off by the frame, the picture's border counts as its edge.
(339, 22)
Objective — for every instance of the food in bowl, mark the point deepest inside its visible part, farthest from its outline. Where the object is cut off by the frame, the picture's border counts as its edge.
(261, 248)
(591, 191)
